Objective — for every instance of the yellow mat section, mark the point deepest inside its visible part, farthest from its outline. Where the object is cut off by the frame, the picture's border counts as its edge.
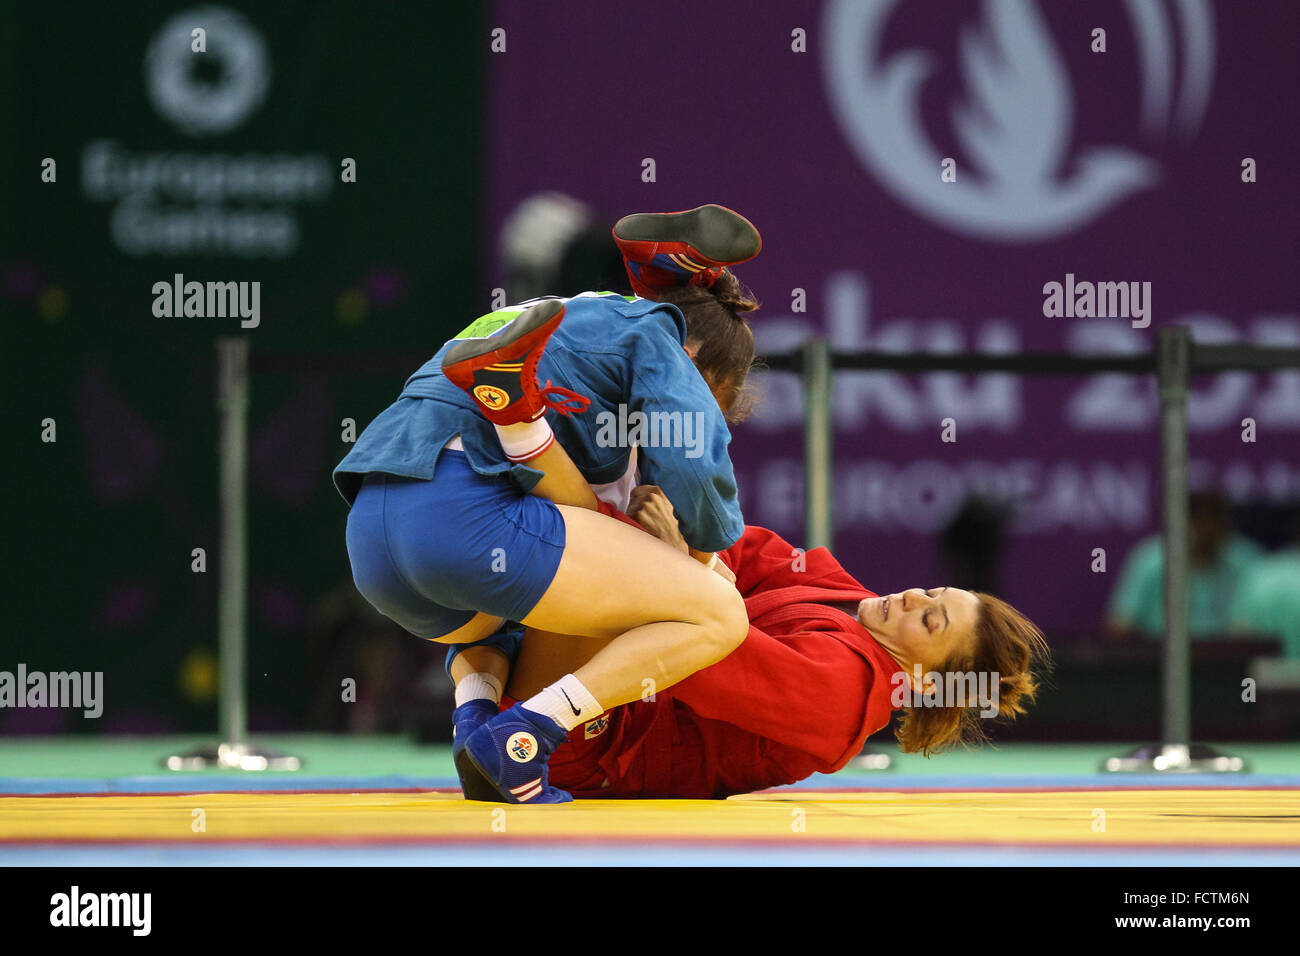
(1219, 817)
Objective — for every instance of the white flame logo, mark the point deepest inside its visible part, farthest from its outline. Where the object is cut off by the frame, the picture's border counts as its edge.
(1015, 125)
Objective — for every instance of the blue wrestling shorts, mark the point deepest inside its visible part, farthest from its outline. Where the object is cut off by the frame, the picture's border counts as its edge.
(430, 554)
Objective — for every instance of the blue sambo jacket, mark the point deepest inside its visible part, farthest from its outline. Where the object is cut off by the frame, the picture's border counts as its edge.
(627, 356)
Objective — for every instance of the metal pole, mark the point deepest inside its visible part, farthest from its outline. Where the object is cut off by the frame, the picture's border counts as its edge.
(817, 442)
(233, 752)
(1176, 753)
(818, 467)
(1173, 377)
(232, 618)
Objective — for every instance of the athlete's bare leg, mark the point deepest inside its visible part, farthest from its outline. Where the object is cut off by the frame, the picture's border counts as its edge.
(668, 617)
(565, 486)
(562, 483)
(545, 657)
(480, 660)
(481, 625)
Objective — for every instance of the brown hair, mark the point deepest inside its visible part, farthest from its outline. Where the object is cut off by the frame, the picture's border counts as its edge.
(716, 325)
(1007, 644)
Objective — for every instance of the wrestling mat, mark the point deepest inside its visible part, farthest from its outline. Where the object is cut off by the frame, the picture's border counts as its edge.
(891, 817)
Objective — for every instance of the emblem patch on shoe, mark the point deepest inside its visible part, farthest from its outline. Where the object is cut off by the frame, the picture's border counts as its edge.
(491, 396)
(521, 747)
(595, 728)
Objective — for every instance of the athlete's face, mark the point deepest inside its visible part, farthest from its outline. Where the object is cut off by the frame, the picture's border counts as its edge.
(923, 626)
(721, 392)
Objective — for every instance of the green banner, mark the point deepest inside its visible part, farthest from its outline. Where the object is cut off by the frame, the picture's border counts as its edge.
(302, 174)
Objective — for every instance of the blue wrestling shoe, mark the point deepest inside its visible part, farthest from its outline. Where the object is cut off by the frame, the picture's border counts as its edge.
(510, 752)
(466, 719)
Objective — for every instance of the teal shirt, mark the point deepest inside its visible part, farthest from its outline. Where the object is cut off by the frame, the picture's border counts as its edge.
(1268, 601)
(1139, 601)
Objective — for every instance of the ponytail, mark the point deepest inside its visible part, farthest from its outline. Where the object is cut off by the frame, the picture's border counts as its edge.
(716, 325)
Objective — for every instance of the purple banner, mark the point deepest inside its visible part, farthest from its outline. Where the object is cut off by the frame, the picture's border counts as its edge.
(923, 173)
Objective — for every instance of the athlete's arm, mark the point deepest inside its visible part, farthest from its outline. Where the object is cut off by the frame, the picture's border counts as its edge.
(650, 508)
(686, 438)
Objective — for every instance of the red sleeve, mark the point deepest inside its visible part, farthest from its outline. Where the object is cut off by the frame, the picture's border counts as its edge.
(806, 690)
(609, 510)
(762, 560)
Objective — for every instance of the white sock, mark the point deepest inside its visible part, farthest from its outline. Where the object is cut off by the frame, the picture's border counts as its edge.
(566, 702)
(478, 686)
(525, 440)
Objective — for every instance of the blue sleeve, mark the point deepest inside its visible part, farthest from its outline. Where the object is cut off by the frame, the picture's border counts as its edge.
(685, 453)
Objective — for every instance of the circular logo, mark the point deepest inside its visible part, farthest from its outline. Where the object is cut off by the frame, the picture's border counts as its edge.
(521, 747)
(491, 396)
(207, 105)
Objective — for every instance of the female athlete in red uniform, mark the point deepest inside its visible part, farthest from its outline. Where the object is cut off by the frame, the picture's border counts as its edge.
(824, 664)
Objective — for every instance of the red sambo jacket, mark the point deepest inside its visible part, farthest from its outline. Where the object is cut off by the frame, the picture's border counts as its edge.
(799, 696)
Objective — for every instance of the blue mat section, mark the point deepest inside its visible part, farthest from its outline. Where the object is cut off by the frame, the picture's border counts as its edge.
(885, 780)
(217, 783)
(635, 855)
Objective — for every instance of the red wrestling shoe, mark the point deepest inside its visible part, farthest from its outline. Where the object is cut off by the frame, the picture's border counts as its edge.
(665, 249)
(500, 371)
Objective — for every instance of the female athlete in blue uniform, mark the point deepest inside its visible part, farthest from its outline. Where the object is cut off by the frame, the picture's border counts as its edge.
(445, 539)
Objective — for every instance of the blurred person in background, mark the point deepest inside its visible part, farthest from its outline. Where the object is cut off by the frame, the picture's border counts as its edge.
(1219, 559)
(390, 692)
(971, 544)
(1268, 597)
(554, 244)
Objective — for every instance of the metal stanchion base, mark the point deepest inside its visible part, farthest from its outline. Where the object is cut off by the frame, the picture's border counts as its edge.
(1174, 758)
(871, 759)
(232, 757)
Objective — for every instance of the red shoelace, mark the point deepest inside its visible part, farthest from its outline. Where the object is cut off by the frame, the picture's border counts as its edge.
(569, 401)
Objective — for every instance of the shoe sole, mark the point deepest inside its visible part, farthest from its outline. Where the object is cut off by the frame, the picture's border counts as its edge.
(715, 231)
(529, 321)
(498, 795)
(473, 783)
